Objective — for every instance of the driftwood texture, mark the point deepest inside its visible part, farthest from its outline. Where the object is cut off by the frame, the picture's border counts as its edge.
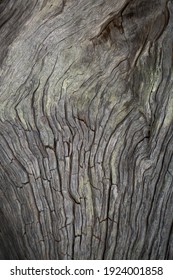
(86, 129)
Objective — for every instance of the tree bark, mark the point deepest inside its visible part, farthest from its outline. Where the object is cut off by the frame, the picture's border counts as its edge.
(86, 129)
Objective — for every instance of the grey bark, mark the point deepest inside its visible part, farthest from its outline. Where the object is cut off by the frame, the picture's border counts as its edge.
(86, 129)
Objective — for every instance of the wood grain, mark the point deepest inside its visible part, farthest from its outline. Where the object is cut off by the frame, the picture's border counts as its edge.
(86, 129)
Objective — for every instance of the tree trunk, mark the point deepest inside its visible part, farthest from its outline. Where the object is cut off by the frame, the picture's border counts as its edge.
(86, 129)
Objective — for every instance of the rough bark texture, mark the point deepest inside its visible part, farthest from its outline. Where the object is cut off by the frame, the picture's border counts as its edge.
(86, 129)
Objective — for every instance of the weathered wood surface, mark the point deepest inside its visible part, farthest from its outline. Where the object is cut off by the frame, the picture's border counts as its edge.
(86, 129)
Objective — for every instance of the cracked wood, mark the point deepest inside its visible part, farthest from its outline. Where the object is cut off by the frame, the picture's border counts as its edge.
(86, 129)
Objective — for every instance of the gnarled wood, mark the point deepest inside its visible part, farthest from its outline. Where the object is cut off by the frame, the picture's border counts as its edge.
(86, 129)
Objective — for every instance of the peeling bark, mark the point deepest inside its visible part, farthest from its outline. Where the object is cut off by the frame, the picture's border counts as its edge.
(86, 129)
